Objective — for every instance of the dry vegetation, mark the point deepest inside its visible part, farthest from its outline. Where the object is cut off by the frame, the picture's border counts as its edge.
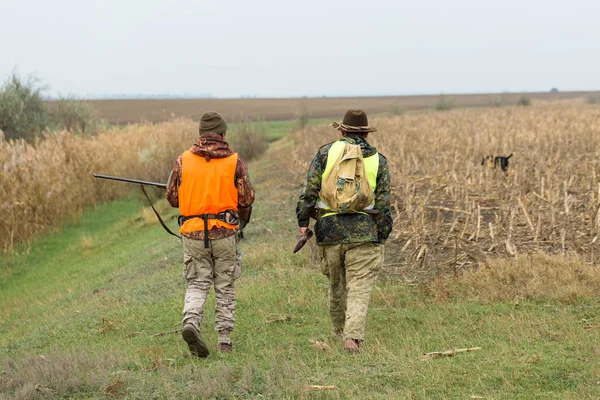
(35, 377)
(533, 277)
(157, 110)
(451, 213)
(43, 182)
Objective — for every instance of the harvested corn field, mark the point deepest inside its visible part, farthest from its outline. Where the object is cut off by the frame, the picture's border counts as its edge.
(456, 209)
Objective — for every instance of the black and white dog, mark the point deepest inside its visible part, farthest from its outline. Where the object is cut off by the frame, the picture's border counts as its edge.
(496, 162)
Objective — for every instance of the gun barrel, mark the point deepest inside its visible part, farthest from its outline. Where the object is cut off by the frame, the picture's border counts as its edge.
(118, 178)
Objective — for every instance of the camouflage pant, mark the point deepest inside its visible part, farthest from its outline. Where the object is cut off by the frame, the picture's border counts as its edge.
(352, 270)
(216, 265)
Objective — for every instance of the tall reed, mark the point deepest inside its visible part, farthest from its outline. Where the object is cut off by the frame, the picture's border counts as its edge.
(43, 182)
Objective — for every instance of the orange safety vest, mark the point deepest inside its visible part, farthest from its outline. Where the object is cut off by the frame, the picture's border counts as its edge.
(207, 187)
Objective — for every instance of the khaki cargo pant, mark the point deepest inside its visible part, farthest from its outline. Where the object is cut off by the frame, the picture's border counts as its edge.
(216, 265)
(352, 270)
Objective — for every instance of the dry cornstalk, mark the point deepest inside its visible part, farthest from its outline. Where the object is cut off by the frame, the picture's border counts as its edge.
(422, 252)
(455, 260)
(43, 388)
(319, 345)
(542, 188)
(282, 318)
(567, 197)
(478, 222)
(540, 197)
(526, 215)
(538, 228)
(462, 234)
(319, 387)
(446, 353)
(454, 210)
(510, 248)
(455, 256)
(405, 246)
(454, 222)
(166, 333)
(597, 219)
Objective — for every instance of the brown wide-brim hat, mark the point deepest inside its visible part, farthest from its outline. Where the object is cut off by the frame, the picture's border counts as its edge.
(355, 121)
(212, 121)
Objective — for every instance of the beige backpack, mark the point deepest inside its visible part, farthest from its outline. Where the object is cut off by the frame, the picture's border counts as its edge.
(344, 186)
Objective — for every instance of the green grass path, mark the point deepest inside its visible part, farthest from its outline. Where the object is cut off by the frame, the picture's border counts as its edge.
(80, 313)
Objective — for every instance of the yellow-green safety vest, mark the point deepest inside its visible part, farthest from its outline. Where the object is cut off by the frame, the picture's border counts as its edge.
(371, 164)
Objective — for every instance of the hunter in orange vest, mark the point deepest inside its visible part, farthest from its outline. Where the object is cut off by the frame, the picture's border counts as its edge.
(211, 187)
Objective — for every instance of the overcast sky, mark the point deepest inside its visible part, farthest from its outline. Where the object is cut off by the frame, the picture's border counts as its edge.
(233, 48)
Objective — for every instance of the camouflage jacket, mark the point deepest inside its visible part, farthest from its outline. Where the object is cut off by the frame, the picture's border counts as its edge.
(211, 145)
(347, 228)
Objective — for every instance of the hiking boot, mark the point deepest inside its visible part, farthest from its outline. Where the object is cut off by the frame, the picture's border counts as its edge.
(194, 341)
(225, 347)
(352, 346)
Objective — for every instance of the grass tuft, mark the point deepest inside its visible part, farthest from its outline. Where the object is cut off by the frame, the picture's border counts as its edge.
(65, 373)
(87, 242)
(114, 389)
(537, 277)
(148, 216)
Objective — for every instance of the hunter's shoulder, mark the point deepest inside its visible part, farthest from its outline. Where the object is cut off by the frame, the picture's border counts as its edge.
(240, 160)
(322, 152)
(241, 166)
(325, 148)
(384, 167)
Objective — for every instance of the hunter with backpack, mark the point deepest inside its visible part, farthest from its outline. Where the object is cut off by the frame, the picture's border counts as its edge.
(347, 190)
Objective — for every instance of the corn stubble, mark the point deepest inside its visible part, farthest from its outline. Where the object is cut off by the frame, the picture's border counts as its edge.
(451, 213)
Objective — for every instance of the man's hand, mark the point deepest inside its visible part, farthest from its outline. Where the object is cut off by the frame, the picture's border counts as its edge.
(306, 235)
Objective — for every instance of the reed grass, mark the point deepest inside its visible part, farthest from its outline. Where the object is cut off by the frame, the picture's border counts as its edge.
(44, 182)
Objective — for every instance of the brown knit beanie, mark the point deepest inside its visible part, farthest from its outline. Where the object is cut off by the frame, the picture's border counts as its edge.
(212, 121)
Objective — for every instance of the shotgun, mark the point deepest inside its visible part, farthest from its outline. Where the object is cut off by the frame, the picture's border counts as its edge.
(142, 183)
(118, 178)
